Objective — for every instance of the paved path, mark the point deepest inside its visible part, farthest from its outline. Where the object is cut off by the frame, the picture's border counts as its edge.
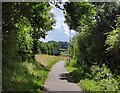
(60, 80)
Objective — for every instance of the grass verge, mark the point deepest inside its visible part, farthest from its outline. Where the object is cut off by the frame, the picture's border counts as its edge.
(26, 76)
(46, 59)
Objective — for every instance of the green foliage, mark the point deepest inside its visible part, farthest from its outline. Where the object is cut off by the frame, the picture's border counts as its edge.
(92, 45)
(53, 48)
(89, 85)
(25, 41)
(96, 47)
(101, 72)
(79, 14)
(104, 78)
(118, 80)
(22, 25)
(48, 47)
(81, 44)
(113, 43)
(64, 52)
(94, 79)
(102, 85)
(26, 76)
(108, 84)
(78, 71)
(52, 62)
(72, 63)
(70, 68)
(113, 38)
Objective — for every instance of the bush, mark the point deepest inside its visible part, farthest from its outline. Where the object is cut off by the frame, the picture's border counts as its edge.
(89, 85)
(102, 80)
(99, 73)
(102, 85)
(93, 78)
(72, 63)
(118, 80)
(108, 84)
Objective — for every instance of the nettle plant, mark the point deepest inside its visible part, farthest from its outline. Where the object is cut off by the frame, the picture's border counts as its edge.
(104, 78)
(101, 72)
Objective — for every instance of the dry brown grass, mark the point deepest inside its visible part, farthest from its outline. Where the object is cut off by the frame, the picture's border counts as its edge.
(45, 59)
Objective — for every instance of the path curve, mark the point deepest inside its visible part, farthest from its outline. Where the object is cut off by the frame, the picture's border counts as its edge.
(57, 79)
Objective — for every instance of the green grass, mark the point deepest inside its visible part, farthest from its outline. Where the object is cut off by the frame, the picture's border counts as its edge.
(26, 76)
(69, 67)
(52, 62)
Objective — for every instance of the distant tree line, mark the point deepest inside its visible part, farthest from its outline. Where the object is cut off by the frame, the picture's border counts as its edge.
(52, 47)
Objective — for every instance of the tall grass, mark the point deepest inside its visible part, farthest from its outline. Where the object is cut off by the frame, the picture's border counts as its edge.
(26, 76)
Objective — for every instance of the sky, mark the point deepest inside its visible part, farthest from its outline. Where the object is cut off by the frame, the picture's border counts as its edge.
(61, 29)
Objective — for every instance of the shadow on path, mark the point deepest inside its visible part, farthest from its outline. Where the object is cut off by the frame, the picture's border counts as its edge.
(59, 79)
(66, 76)
(45, 89)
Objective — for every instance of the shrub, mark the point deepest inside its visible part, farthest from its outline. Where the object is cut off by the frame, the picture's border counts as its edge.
(102, 80)
(72, 63)
(102, 85)
(108, 84)
(99, 73)
(89, 85)
(118, 80)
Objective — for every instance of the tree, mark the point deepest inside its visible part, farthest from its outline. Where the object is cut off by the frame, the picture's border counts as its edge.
(113, 42)
(20, 19)
(92, 21)
(48, 47)
(79, 15)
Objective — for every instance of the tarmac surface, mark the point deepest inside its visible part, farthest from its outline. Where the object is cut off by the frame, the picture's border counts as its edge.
(60, 80)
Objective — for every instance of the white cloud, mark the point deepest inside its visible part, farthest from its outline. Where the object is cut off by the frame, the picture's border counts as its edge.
(59, 21)
(73, 33)
(67, 31)
(61, 30)
(59, 16)
(64, 0)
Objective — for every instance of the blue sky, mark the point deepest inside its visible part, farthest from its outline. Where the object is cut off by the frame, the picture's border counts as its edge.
(61, 30)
